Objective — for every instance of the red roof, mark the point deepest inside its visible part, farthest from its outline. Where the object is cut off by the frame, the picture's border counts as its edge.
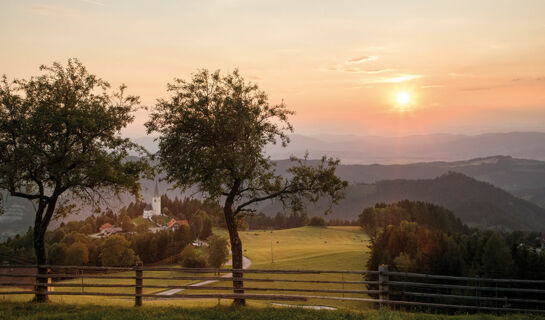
(105, 226)
(173, 222)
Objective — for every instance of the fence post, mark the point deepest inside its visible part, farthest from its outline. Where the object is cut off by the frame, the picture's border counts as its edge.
(138, 285)
(383, 279)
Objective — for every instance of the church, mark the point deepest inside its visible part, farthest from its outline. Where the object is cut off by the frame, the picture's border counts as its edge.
(155, 209)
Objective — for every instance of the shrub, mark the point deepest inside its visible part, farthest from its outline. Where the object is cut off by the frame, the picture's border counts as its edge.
(218, 251)
(317, 222)
(191, 258)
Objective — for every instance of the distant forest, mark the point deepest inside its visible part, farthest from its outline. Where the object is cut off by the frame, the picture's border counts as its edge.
(426, 238)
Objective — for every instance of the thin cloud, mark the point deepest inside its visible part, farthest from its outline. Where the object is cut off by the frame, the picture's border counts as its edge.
(356, 70)
(398, 79)
(377, 71)
(484, 87)
(460, 75)
(49, 10)
(96, 3)
(361, 59)
(432, 86)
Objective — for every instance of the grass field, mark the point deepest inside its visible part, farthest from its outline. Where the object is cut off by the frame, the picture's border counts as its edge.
(31, 311)
(300, 248)
(140, 220)
(332, 248)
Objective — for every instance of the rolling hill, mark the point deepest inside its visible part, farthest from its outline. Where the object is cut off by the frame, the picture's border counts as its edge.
(521, 177)
(483, 205)
(476, 203)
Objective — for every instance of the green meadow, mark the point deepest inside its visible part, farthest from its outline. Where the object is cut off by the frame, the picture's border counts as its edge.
(57, 311)
(332, 248)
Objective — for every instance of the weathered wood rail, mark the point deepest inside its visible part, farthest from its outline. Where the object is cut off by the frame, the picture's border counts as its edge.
(381, 287)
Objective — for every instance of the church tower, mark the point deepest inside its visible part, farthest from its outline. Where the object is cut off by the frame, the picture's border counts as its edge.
(156, 200)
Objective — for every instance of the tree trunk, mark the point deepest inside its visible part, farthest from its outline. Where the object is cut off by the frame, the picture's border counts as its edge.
(39, 250)
(41, 223)
(236, 252)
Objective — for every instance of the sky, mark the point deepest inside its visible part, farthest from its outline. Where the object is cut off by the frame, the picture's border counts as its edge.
(469, 67)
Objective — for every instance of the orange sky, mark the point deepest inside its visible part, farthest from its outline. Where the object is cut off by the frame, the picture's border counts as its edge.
(469, 66)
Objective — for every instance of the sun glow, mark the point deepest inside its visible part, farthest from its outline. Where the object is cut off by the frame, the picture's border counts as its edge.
(403, 98)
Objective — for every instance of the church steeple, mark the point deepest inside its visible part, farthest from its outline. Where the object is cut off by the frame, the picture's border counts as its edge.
(156, 192)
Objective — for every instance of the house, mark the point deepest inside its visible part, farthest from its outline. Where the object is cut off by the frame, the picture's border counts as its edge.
(177, 223)
(199, 243)
(113, 230)
(107, 229)
(105, 226)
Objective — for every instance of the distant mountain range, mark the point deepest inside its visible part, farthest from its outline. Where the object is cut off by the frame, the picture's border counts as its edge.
(490, 191)
(524, 178)
(476, 203)
(409, 149)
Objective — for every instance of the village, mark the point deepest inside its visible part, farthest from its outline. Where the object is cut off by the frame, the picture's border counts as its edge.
(155, 216)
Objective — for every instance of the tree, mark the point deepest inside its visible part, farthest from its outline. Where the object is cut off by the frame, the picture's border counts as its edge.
(191, 258)
(213, 131)
(218, 251)
(56, 253)
(201, 225)
(496, 257)
(317, 222)
(59, 139)
(126, 224)
(116, 252)
(77, 254)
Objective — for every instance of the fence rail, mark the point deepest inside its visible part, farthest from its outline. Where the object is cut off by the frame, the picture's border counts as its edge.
(380, 287)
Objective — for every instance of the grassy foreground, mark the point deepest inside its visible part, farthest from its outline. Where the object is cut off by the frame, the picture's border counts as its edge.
(299, 248)
(24, 311)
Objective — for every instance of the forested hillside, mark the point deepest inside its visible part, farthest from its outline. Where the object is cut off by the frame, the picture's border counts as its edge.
(476, 203)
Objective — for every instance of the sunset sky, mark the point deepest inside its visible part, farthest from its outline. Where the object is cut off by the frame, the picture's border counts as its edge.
(468, 66)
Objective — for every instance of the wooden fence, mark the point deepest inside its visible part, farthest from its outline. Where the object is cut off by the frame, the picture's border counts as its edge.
(380, 287)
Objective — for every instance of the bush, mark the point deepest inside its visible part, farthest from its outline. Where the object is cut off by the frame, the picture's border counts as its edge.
(116, 252)
(317, 222)
(218, 251)
(77, 254)
(191, 258)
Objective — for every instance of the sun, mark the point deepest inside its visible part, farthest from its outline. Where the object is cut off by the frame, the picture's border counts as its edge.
(403, 98)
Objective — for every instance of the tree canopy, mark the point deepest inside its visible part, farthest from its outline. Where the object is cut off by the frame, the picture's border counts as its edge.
(60, 134)
(213, 131)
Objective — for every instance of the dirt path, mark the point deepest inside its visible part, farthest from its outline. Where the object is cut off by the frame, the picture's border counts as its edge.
(246, 263)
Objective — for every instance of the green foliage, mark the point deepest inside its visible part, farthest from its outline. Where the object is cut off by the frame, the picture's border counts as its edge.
(116, 252)
(161, 220)
(279, 221)
(192, 258)
(410, 247)
(59, 133)
(29, 311)
(77, 254)
(213, 131)
(153, 247)
(496, 257)
(56, 253)
(218, 252)
(126, 223)
(317, 222)
(201, 224)
(425, 214)
(187, 207)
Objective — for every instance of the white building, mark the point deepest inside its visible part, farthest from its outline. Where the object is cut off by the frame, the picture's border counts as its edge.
(155, 209)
